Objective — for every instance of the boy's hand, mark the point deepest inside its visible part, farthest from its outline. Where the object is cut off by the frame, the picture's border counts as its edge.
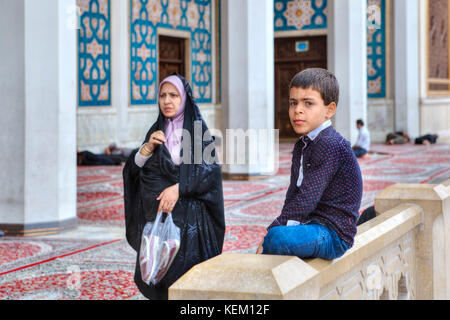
(260, 247)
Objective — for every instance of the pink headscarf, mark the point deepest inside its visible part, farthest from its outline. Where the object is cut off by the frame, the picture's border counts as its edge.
(173, 126)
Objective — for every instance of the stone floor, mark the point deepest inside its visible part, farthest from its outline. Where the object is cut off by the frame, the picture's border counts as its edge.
(94, 261)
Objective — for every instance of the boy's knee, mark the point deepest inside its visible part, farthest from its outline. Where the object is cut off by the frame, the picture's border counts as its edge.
(273, 234)
(273, 240)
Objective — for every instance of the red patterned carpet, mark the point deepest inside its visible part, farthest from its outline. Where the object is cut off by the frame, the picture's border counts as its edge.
(95, 262)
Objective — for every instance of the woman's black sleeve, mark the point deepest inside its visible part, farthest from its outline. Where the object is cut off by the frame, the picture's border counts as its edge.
(132, 202)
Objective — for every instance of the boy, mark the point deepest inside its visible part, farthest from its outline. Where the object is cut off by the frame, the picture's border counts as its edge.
(362, 145)
(319, 215)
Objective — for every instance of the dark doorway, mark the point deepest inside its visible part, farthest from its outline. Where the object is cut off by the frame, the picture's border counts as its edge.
(293, 55)
(172, 55)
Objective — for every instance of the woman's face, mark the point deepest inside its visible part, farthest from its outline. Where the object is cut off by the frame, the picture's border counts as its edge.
(169, 100)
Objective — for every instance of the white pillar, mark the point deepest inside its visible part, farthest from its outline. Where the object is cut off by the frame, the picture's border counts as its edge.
(120, 62)
(12, 111)
(37, 116)
(248, 84)
(406, 56)
(347, 59)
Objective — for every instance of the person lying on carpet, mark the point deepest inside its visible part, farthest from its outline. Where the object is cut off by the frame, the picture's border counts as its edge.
(398, 137)
(121, 153)
(426, 139)
(113, 156)
(157, 178)
(320, 211)
(87, 158)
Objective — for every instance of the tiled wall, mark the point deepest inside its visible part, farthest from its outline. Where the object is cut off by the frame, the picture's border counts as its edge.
(312, 15)
(94, 53)
(300, 14)
(376, 52)
(193, 16)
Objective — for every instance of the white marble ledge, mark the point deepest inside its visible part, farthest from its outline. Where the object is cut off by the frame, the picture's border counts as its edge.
(96, 110)
(438, 100)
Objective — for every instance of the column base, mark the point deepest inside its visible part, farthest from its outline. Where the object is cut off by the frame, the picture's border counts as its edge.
(244, 176)
(38, 229)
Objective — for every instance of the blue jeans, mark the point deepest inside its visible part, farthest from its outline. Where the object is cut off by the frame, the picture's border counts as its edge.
(359, 152)
(304, 241)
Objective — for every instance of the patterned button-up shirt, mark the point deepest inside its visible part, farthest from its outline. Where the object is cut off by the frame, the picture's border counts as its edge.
(312, 135)
(331, 188)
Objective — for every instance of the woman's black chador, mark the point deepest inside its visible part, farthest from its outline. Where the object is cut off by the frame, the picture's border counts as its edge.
(199, 212)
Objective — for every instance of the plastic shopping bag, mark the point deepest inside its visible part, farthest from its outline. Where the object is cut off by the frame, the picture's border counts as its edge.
(159, 246)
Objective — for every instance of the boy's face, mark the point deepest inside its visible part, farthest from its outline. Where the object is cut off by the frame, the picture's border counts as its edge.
(307, 110)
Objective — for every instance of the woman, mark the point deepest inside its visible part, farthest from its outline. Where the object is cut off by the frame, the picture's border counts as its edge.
(156, 178)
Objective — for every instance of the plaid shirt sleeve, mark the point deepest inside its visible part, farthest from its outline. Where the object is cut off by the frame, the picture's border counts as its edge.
(301, 201)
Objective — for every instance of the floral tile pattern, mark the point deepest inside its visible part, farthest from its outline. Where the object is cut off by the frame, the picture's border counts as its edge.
(147, 16)
(94, 53)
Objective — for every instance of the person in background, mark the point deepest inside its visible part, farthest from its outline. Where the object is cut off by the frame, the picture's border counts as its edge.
(366, 215)
(122, 153)
(113, 156)
(398, 137)
(87, 158)
(426, 139)
(362, 145)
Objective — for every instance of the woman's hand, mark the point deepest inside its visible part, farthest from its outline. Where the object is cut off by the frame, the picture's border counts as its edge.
(157, 138)
(169, 198)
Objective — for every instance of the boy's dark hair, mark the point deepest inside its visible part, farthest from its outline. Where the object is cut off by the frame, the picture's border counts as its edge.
(360, 122)
(318, 79)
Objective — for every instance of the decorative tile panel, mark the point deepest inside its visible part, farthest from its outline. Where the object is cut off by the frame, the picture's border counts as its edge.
(94, 53)
(438, 43)
(312, 14)
(300, 14)
(193, 16)
(376, 51)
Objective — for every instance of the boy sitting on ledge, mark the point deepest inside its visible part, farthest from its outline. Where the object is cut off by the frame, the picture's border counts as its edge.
(319, 215)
